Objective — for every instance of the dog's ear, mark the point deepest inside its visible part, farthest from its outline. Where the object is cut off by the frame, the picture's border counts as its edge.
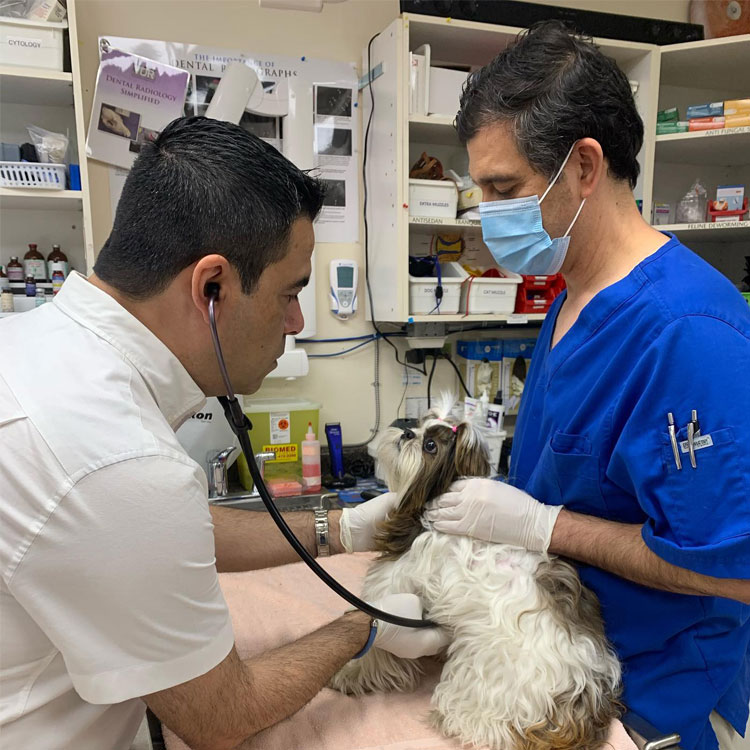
(471, 458)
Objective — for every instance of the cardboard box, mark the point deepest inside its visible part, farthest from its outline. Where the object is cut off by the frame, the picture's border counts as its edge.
(47, 10)
(737, 121)
(729, 198)
(737, 107)
(445, 91)
(662, 214)
(713, 109)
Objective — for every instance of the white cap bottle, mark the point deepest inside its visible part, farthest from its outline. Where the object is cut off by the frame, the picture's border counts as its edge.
(310, 461)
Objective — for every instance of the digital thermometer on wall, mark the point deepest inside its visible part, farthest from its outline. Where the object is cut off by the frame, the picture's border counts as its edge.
(343, 288)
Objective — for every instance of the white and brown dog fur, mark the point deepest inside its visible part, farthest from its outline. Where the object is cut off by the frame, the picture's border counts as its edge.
(529, 666)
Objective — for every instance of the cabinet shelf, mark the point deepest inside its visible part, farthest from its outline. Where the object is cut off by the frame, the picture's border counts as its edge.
(727, 146)
(512, 319)
(433, 129)
(432, 224)
(729, 231)
(51, 88)
(47, 200)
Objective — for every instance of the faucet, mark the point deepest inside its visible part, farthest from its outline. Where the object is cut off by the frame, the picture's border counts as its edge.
(217, 460)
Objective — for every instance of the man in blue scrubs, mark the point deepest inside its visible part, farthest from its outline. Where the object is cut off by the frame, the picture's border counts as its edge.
(645, 330)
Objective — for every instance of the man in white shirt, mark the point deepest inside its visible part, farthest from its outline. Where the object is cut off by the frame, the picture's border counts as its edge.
(109, 596)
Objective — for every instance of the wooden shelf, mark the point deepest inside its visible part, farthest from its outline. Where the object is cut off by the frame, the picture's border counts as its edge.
(432, 224)
(728, 231)
(433, 129)
(40, 200)
(695, 64)
(51, 88)
(727, 146)
(511, 319)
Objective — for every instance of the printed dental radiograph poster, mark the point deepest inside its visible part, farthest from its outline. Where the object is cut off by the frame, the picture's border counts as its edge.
(135, 98)
(304, 107)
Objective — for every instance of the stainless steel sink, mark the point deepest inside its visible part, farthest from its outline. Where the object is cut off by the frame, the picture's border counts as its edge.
(296, 502)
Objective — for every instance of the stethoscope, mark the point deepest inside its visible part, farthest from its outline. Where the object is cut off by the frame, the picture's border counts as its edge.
(240, 425)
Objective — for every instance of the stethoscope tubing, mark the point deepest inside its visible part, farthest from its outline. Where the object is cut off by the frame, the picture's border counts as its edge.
(240, 425)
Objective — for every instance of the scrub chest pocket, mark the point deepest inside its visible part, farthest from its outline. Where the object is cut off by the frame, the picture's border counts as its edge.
(568, 472)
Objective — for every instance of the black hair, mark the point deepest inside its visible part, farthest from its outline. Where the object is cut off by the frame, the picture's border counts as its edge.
(554, 87)
(204, 186)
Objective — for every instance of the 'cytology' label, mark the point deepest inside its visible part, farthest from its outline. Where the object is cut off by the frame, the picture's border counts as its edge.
(281, 426)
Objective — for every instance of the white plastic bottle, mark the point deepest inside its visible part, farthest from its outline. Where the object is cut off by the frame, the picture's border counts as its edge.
(310, 461)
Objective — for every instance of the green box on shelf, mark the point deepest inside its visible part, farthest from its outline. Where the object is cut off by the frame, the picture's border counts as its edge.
(746, 295)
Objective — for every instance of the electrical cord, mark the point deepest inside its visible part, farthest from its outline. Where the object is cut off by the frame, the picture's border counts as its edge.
(458, 372)
(365, 197)
(429, 379)
(343, 351)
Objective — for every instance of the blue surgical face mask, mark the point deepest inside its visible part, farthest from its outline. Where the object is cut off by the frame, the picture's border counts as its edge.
(512, 230)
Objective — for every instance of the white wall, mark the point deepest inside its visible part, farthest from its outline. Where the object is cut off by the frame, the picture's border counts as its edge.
(342, 385)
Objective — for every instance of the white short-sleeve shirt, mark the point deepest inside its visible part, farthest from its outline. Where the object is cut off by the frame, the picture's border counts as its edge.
(109, 589)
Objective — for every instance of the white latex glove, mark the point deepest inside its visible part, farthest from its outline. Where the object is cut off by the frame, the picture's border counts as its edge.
(408, 643)
(358, 524)
(494, 512)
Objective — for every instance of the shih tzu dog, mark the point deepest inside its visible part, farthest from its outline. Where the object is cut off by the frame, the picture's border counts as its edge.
(529, 666)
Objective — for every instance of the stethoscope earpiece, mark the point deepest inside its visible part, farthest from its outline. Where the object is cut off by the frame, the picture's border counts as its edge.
(211, 290)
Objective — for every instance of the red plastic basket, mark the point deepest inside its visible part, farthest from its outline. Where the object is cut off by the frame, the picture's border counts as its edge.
(536, 293)
(737, 215)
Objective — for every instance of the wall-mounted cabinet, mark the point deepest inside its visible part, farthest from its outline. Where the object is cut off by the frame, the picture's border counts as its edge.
(397, 140)
(662, 76)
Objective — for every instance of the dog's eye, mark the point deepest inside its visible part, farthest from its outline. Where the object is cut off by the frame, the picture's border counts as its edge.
(430, 445)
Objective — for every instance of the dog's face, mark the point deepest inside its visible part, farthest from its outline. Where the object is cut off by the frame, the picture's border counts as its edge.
(421, 464)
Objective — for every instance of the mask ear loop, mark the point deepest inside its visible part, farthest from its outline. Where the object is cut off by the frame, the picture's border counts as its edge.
(575, 218)
(559, 172)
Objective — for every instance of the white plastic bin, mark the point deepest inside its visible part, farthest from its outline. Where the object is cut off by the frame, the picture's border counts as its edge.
(445, 91)
(31, 44)
(490, 296)
(422, 291)
(438, 198)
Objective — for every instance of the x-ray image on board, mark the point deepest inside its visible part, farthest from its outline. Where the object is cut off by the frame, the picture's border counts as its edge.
(333, 101)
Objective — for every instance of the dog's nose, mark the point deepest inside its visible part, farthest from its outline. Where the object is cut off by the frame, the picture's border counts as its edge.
(407, 434)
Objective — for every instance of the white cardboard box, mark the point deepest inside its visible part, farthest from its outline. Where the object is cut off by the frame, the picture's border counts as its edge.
(31, 44)
(437, 198)
(444, 95)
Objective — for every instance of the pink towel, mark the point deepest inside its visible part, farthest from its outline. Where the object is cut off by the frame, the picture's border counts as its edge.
(294, 602)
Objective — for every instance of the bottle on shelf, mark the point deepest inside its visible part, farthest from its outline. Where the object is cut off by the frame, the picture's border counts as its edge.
(30, 286)
(6, 301)
(57, 278)
(15, 269)
(4, 281)
(57, 261)
(34, 265)
(310, 461)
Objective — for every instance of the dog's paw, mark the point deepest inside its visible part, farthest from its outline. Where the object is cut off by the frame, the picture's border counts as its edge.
(348, 679)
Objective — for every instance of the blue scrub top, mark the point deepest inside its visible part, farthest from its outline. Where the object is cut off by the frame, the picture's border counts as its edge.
(672, 336)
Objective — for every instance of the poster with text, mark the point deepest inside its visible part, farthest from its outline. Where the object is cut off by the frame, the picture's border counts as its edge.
(135, 98)
(323, 138)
